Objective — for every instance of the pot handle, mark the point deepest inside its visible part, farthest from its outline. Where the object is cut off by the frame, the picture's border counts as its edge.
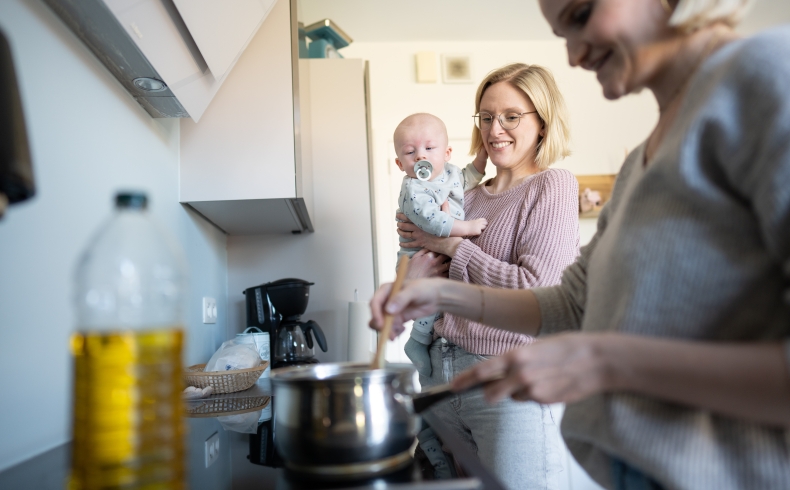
(426, 398)
(252, 329)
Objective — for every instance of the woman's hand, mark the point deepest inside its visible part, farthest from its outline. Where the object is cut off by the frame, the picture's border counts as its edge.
(563, 368)
(420, 239)
(428, 264)
(480, 160)
(416, 299)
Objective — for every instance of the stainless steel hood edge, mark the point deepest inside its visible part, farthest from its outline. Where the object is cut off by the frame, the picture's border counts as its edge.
(93, 22)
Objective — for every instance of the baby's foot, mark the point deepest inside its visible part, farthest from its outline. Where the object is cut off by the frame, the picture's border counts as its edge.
(419, 355)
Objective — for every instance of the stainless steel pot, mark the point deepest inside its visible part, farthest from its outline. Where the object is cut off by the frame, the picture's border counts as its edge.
(344, 413)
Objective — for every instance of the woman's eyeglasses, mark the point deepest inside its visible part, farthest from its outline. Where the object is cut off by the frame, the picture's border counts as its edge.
(508, 120)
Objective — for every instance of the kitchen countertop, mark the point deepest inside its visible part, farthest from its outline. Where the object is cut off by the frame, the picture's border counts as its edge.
(50, 469)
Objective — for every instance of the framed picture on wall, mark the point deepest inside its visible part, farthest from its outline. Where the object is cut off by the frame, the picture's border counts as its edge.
(456, 68)
(594, 192)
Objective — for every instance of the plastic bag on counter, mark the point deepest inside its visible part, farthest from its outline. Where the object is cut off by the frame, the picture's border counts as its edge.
(246, 423)
(261, 341)
(233, 354)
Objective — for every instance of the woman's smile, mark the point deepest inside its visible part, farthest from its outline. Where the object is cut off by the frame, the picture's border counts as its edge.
(599, 63)
(501, 144)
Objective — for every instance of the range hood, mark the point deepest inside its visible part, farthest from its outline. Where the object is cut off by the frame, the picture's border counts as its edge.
(172, 56)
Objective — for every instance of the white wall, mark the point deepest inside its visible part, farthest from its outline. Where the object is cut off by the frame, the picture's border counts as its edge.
(602, 131)
(88, 139)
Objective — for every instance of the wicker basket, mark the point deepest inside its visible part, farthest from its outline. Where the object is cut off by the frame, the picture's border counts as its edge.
(223, 381)
(214, 407)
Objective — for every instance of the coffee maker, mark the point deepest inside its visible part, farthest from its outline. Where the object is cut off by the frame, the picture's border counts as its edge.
(276, 308)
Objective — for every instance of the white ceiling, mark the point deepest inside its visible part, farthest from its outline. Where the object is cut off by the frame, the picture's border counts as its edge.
(468, 20)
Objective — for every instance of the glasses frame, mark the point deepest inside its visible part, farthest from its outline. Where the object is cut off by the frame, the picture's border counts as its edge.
(479, 123)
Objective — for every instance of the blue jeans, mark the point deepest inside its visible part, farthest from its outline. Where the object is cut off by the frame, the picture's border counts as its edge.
(626, 477)
(517, 441)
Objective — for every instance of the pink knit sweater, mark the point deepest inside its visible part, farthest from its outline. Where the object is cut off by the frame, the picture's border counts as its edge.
(532, 236)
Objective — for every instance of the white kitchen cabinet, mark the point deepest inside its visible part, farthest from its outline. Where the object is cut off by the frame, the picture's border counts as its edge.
(190, 45)
(222, 29)
(242, 165)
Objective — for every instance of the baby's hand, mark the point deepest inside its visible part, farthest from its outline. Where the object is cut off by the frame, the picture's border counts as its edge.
(476, 226)
(469, 228)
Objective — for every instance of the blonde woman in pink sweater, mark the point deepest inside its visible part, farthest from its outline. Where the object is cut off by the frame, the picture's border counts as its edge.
(532, 236)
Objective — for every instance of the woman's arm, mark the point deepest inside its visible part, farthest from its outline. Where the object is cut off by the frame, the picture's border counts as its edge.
(480, 161)
(420, 239)
(749, 381)
(514, 310)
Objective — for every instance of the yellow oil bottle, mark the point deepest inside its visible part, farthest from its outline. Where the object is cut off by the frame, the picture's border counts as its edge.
(128, 429)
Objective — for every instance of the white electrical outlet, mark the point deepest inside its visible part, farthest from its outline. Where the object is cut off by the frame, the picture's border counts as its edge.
(209, 310)
(212, 449)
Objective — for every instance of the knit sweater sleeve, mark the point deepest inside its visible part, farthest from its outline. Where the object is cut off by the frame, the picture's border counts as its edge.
(548, 242)
(562, 306)
(747, 131)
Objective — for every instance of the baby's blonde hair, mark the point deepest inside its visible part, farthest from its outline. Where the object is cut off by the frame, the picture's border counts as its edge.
(538, 84)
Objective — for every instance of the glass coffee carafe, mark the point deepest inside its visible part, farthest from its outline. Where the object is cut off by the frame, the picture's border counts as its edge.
(294, 343)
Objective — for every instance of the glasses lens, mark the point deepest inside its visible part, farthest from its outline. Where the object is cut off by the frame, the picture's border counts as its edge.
(510, 120)
(483, 120)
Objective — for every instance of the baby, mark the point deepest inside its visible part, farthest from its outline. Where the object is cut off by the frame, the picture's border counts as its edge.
(423, 152)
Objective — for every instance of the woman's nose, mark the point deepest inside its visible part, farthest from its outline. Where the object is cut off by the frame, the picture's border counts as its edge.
(576, 52)
(496, 125)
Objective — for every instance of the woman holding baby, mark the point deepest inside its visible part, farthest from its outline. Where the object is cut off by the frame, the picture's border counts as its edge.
(532, 235)
(672, 328)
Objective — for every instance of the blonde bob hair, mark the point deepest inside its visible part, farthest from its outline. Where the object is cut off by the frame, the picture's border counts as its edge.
(690, 15)
(538, 84)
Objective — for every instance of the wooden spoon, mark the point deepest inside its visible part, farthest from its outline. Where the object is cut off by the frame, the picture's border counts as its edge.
(384, 334)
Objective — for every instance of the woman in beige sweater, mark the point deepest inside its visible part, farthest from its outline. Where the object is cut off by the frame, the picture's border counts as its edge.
(674, 356)
(532, 235)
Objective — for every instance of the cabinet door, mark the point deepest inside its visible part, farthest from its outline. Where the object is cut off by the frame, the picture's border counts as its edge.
(223, 29)
(243, 147)
(239, 163)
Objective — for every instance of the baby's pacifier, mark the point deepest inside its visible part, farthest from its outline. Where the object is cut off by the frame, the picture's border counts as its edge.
(423, 170)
